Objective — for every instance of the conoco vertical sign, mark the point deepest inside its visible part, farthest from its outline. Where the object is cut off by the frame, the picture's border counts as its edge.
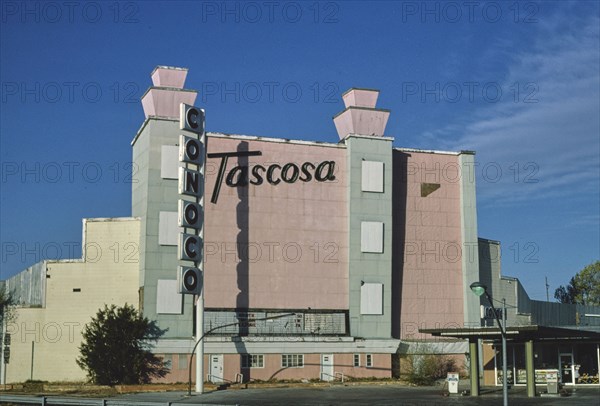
(192, 157)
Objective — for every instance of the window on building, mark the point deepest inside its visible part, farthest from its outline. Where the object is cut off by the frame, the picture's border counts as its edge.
(168, 360)
(356, 360)
(253, 361)
(292, 360)
(247, 319)
(369, 360)
(182, 362)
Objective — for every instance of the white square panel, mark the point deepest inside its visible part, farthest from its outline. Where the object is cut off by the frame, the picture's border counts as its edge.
(371, 236)
(371, 298)
(168, 228)
(169, 161)
(372, 176)
(168, 301)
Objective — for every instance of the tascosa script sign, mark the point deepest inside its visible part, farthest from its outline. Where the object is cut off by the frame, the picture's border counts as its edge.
(243, 175)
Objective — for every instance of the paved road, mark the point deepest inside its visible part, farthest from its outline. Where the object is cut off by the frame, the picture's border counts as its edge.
(390, 394)
(366, 395)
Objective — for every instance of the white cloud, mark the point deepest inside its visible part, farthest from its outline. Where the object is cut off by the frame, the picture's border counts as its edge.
(560, 133)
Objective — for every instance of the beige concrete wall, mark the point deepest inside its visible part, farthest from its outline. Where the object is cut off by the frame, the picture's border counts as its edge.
(108, 274)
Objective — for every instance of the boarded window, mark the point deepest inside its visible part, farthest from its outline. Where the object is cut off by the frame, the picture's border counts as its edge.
(372, 176)
(168, 301)
(168, 229)
(371, 236)
(169, 162)
(371, 298)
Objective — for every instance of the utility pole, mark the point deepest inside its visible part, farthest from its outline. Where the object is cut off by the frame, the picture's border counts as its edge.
(547, 294)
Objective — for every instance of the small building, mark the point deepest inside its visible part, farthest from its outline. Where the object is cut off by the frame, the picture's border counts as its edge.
(547, 336)
(57, 298)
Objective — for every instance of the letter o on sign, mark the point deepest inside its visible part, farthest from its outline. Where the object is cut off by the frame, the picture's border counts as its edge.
(190, 280)
(191, 150)
(190, 215)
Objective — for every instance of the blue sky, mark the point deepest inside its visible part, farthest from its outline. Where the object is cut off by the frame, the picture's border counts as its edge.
(518, 82)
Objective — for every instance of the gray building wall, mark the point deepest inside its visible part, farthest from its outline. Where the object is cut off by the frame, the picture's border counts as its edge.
(470, 257)
(28, 287)
(150, 195)
(369, 206)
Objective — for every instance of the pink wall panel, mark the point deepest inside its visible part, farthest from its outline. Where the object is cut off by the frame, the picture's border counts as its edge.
(431, 273)
(276, 246)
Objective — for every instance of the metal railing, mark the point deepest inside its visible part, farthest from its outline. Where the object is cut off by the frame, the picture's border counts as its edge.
(238, 378)
(334, 376)
(59, 400)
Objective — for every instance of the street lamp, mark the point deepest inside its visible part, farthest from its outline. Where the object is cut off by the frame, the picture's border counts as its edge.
(479, 289)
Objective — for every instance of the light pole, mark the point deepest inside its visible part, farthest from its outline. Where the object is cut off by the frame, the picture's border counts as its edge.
(480, 289)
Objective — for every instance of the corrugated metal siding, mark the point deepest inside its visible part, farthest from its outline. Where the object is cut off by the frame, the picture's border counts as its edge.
(28, 286)
(593, 315)
(552, 314)
(523, 301)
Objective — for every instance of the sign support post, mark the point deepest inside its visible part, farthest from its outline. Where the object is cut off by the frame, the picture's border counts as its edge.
(200, 350)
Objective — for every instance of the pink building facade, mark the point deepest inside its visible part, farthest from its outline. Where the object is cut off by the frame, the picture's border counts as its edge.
(356, 244)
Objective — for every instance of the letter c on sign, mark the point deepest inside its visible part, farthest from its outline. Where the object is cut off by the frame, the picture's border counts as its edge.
(192, 118)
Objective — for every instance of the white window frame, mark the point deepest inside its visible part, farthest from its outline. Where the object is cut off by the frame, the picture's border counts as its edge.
(292, 360)
(253, 361)
(356, 360)
(369, 361)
